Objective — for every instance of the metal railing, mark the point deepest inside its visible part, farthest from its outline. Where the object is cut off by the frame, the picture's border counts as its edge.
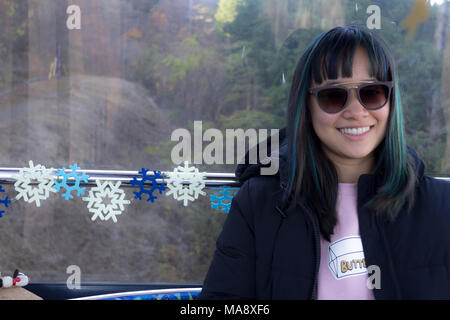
(8, 176)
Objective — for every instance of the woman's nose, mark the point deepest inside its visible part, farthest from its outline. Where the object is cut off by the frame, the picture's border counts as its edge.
(353, 104)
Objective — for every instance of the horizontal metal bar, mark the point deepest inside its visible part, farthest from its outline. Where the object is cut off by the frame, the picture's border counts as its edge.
(111, 173)
(9, 176)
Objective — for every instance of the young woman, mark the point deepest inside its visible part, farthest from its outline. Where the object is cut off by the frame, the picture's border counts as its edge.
(351, 214)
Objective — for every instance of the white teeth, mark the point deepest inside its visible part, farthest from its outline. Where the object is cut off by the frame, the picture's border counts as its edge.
(355, 131)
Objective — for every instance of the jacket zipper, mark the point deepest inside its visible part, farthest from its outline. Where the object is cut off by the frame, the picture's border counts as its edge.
(316, 235)
(389, 258)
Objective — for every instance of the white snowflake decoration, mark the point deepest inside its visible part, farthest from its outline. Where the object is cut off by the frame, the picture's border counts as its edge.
(44, 178)
(110, 192)
(180, 190)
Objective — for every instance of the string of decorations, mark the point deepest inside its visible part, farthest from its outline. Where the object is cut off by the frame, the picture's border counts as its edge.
(17, 280)
(106, 199)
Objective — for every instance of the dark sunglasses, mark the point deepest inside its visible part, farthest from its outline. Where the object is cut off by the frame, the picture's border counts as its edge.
(372, 95)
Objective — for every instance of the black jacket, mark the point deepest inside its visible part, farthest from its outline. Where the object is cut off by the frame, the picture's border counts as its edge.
(266, 253)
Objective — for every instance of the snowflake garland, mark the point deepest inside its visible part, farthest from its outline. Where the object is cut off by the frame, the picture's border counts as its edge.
(155, 186)
(222, 202)
(185, 183)
(5, 202)
(106, 200)
(44, 178)
(66, 179)
(98, 200)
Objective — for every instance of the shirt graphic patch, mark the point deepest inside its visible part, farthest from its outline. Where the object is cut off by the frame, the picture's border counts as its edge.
(346, 257)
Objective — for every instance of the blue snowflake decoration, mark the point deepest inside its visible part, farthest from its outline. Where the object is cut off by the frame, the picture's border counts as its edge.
(155, 186)
(67, 180)
(189, 295)
(5, 202)
(222, 202)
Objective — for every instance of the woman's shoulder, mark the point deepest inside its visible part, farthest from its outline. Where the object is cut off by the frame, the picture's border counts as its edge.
(258, 194)
(260, 186)
(434, 194)
(435, 186)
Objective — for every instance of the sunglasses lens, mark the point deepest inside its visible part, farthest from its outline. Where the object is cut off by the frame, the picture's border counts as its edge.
(332, 99)
(374, 96)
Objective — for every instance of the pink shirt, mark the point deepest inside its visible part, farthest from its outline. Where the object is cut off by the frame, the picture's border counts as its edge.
(342, 272)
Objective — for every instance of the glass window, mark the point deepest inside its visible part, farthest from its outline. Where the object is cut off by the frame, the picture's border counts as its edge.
(105, 84)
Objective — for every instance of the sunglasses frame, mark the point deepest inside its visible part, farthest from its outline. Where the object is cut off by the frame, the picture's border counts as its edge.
(315, 92)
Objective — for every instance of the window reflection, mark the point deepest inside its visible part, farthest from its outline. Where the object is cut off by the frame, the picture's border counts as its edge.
(109, 95)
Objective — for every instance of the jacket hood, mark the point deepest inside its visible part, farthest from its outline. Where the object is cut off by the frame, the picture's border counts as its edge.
(246, 170)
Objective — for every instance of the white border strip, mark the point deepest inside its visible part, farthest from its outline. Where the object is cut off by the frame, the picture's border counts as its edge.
(134, 293)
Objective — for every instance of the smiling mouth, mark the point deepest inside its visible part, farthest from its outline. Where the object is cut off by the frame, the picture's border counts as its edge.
(356, 135)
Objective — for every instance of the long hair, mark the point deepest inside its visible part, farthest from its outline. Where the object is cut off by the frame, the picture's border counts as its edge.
(310, 171)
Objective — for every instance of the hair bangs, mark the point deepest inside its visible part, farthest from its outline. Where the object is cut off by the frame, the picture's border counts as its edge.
(334, 55)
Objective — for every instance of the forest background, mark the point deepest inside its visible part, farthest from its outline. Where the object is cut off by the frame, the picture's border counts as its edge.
(109, 95)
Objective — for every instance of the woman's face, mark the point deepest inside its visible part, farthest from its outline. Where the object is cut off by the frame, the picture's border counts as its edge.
(342, 149)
